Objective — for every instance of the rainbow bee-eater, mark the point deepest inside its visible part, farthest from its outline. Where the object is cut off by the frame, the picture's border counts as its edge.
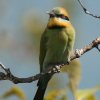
(56, 44)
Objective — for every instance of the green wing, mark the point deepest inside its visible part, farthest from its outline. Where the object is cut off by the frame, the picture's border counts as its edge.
(43, 42)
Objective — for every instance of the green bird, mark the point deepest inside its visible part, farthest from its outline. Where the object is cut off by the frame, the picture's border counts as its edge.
(56, 44)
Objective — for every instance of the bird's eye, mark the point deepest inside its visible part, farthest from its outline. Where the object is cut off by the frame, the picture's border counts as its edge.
(66, 18)
(62, 16)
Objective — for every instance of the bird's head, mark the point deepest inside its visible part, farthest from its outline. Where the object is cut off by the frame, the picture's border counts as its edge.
(58, 18)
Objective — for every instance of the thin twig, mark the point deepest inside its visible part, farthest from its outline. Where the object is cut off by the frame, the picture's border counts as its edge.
(9, 76)
(86, 11)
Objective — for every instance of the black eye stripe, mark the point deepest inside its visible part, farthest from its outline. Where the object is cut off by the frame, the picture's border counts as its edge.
(60, 16)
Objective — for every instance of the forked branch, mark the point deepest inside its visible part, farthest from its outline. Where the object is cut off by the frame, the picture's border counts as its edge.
(7, 75)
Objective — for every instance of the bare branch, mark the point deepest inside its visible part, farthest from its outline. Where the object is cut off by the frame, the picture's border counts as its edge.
(9, 76)
(86, 11)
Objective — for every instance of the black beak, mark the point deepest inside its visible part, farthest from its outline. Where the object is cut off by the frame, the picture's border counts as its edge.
(51, 14)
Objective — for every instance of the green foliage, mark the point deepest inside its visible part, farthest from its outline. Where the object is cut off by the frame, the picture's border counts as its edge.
(60, 94)
(86, 94)
(56, 95)
(73, 70)
(74, 73)
(15, 90)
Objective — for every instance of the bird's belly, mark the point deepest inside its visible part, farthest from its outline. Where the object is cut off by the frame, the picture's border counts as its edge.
(56, 49)
(57, 54)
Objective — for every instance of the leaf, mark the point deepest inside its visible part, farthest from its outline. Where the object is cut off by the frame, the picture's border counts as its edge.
(54, 95)
(15, 91)
(87, 94)
(91, 97)
(74, 73)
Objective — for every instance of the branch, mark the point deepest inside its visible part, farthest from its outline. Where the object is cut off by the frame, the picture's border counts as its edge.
(79, 52)
(86, 11)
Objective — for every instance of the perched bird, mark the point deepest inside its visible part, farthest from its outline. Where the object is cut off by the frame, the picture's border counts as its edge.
(55, 46)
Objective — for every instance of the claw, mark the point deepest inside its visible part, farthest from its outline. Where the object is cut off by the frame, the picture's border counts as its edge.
(56, 69)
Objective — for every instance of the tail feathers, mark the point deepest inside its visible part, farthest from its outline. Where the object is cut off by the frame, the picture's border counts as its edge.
(40, 93)
(42, 85)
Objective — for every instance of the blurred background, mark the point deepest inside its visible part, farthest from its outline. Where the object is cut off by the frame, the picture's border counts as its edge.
(21, 24)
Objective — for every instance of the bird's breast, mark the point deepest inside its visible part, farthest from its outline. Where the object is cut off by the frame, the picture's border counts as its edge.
(56, 47)
(57, 38)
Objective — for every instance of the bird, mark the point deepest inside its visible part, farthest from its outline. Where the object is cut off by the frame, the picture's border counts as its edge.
(56, 45)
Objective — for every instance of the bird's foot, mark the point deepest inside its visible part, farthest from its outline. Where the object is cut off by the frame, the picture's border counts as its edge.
(78, 52)
(56, 69)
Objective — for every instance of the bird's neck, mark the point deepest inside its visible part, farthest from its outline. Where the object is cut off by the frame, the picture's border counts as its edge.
(57, 23)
